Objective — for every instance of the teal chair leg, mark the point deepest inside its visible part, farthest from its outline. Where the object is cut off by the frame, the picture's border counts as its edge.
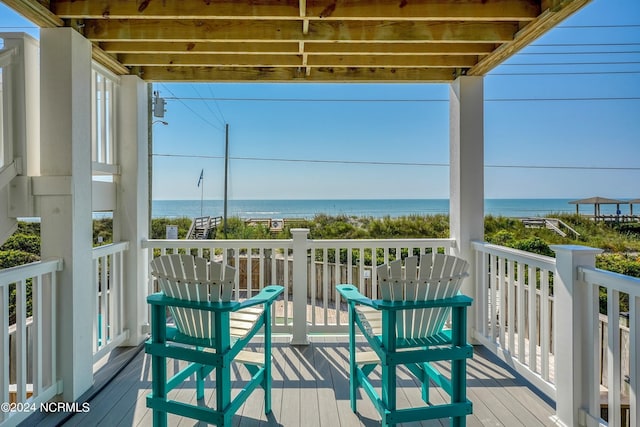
(459, 367)
(266, 382)
(353, 371)
(200, 376)
(425, 383)
(159, 364)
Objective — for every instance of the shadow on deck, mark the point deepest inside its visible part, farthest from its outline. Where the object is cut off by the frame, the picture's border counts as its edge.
(310, 388)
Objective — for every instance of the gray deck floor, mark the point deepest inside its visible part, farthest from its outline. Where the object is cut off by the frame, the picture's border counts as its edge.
(310, 388)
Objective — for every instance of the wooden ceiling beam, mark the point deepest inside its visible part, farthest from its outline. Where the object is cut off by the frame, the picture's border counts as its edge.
(560, 10)
(285, 48)
(272, 48)
(108, 61)
(293, 75)
(227, 30)
(414, 10)
(338, 61)
(35, 12)
(400, 48)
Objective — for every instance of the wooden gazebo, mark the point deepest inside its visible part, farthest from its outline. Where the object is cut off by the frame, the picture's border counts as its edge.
(597, 202)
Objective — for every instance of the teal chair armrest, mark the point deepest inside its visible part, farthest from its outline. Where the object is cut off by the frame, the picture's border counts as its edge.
(352, 295)
(163, 300)
(267, 295)
(456, 301)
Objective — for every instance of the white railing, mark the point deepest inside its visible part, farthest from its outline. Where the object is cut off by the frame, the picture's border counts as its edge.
(258, 263)
(39, 281)
(289, 263)
(514, 310)
(352, 261)
(108, 331)
(620, 364)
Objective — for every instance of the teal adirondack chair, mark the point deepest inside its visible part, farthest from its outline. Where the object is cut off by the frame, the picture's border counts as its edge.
(407, 327)
(210, 332)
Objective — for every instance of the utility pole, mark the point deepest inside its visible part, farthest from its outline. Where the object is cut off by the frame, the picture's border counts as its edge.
(226, 177)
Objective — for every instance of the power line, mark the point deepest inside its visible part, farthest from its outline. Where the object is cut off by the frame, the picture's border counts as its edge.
(216, 103)
(630, 98)
(582, 44)
(625, 52)
(381, 163)
(574, 63)
(207, 104)
(191, 109)
(598, 26)
(565, 73)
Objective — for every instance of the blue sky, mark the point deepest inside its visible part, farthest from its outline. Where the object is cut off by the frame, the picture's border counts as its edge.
(575, 148)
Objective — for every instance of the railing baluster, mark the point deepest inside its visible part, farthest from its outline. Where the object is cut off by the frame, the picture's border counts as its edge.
(545, 334)
(634, 359)
(500, 290)
(492, 284)
(511, 316)
(36, 333)
(613, 356)
(533, 336)
(4, 348)
(337, 280)
(521, 313)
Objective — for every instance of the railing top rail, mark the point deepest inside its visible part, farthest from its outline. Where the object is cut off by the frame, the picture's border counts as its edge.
(21, 272)
(620, 282)
(387, 242)
(205, 244)
(541, 261)
(110, 249)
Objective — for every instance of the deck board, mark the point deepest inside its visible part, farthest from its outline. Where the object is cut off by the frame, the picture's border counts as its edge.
(311, 388)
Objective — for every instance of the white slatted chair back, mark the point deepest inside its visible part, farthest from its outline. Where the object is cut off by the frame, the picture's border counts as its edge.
(438, 276)
(194, 279)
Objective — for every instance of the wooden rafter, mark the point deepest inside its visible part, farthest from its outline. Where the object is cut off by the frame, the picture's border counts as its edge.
(258, 31)
(302, 40)
(414, 10)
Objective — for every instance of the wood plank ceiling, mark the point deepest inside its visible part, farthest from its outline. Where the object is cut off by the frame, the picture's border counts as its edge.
(302, 40)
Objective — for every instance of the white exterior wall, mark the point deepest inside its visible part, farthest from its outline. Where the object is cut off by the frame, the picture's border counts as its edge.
(64, 192)
(466, 180)
(131, 217)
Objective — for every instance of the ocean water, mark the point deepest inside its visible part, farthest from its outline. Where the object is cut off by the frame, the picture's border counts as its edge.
(370, 208)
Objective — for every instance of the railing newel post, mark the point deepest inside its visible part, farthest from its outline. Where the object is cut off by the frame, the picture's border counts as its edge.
(300, 244)
(575, 376)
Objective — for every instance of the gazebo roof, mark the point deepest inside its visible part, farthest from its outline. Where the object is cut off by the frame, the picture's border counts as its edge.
(634, 201)
(597, 201)
(302, 40)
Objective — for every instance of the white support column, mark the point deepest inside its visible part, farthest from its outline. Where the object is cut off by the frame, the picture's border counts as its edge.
(65, 197)
(300, 286)
(131, 219)
(575, 350)
(466, 173)
(19, 128)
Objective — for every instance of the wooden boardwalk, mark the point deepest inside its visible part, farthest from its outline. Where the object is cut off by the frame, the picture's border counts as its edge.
(310, 388)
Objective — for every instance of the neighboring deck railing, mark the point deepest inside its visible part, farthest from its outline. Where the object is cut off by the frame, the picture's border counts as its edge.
(619, 368)
(33, 328)
(108, 283)
(514, 310)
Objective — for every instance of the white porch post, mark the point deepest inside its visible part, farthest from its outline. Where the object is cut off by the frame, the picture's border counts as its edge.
(575, 350)
(466, 173)
(131, 219)
(64, 191)
(299, 286)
